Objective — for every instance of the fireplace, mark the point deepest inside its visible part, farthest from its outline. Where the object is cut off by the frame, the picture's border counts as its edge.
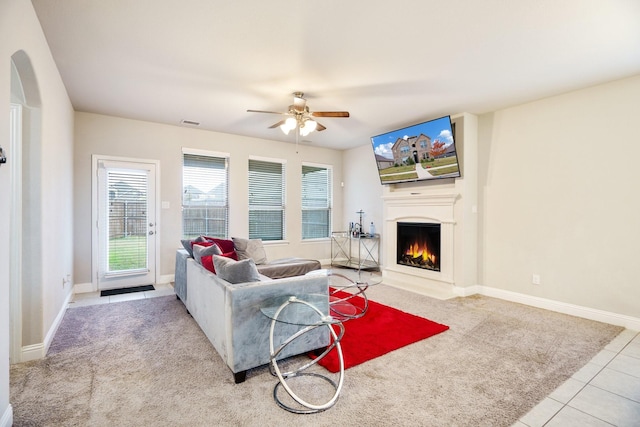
(418, 245)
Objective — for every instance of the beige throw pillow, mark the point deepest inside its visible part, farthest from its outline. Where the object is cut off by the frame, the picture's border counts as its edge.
(250, 248)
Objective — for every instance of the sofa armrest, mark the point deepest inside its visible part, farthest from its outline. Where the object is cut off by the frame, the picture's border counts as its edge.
(248, 334)
(180, 278)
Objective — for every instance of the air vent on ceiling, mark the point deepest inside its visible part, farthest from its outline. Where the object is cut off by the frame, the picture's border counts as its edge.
(190, 123)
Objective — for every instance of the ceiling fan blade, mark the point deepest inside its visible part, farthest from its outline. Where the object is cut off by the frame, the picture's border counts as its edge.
(319, 127)
(330, 114)
(263, 111)
(275, 125)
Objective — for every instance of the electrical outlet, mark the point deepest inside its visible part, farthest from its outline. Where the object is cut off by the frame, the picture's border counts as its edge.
(535, 279)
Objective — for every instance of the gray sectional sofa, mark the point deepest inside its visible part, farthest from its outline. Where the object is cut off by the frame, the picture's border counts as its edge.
(229, 314)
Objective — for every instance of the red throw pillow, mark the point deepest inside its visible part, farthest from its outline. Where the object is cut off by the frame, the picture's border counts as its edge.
(225, 245)
(232, 255)
(207, 260)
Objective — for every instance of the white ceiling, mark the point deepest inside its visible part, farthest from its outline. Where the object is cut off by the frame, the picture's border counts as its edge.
(389, 63)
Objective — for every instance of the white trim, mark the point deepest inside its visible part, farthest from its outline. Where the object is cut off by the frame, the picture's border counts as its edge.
(628, 322)
(166, 278)
(197, 152)
(7, 417)
(48, 339)
(15, 234)
(38, 351)
(32, 352)
(267, 159)
(83, 288)
(317, 165)
(444, 292)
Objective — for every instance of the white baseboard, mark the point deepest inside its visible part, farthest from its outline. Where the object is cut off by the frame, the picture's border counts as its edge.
(465, 292)
(437, 292)
(628, 322)
(325, 263)
(83, 288)
(7, 417)
(165, 278)
(39, 350)
(32, 352)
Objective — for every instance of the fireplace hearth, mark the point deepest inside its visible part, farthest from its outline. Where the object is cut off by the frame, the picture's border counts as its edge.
(418, 245)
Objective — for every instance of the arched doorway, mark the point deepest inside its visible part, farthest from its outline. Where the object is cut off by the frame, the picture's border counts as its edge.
(25, 276)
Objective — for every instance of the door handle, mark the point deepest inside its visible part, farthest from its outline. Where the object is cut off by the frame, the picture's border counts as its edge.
(151, 233)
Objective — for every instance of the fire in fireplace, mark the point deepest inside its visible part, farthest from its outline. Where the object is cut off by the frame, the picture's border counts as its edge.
(418, 245)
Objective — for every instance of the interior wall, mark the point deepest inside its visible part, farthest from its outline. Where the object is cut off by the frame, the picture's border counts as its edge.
(21, 31)
(112, 136)
(558, 198)
(362, 190)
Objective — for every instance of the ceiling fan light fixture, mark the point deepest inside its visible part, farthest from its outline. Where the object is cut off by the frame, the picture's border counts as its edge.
(288, 125)
(308, 127)
(285, 129)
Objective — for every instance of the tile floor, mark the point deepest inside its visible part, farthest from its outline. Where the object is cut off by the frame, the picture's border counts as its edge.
(92, 298)
(605, 392)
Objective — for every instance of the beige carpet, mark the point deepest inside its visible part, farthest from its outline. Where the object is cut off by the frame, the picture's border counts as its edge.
(146, 363)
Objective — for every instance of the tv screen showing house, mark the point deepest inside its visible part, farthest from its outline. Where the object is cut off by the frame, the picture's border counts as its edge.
(420, 152)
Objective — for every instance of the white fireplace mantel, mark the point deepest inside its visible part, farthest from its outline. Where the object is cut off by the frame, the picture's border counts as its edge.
(420, 207)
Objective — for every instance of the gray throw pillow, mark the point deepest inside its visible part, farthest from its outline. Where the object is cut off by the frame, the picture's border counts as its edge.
(187, 244)
(236, 271)
(199, 251)
(250, 248)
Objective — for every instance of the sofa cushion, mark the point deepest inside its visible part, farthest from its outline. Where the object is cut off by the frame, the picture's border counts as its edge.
(188, 244)
(236, 271)
(250, 248)
(205, 249)
(207, 260)
(225, 245)
(288, 267)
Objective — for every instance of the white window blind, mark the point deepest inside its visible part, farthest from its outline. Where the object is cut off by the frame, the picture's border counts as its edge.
(266, 200)
(316, 201)
(205, 195)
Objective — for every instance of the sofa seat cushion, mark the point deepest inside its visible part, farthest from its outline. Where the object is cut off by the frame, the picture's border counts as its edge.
(288, 267)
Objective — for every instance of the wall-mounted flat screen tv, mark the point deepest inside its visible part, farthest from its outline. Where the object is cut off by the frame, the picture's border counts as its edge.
(425, 151)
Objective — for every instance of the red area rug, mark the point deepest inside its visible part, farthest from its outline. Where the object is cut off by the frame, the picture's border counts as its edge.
(381, 330)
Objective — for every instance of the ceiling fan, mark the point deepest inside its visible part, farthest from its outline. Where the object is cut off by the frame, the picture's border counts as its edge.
(300, 117)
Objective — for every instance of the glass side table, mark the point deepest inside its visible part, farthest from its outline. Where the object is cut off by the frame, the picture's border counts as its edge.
(309, 312)
(345, 288)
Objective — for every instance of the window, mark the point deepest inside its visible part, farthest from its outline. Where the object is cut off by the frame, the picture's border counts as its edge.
(205, 190)
(266, 199)
(316, 201)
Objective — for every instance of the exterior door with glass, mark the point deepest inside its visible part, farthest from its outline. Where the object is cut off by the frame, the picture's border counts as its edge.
(126, 224)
